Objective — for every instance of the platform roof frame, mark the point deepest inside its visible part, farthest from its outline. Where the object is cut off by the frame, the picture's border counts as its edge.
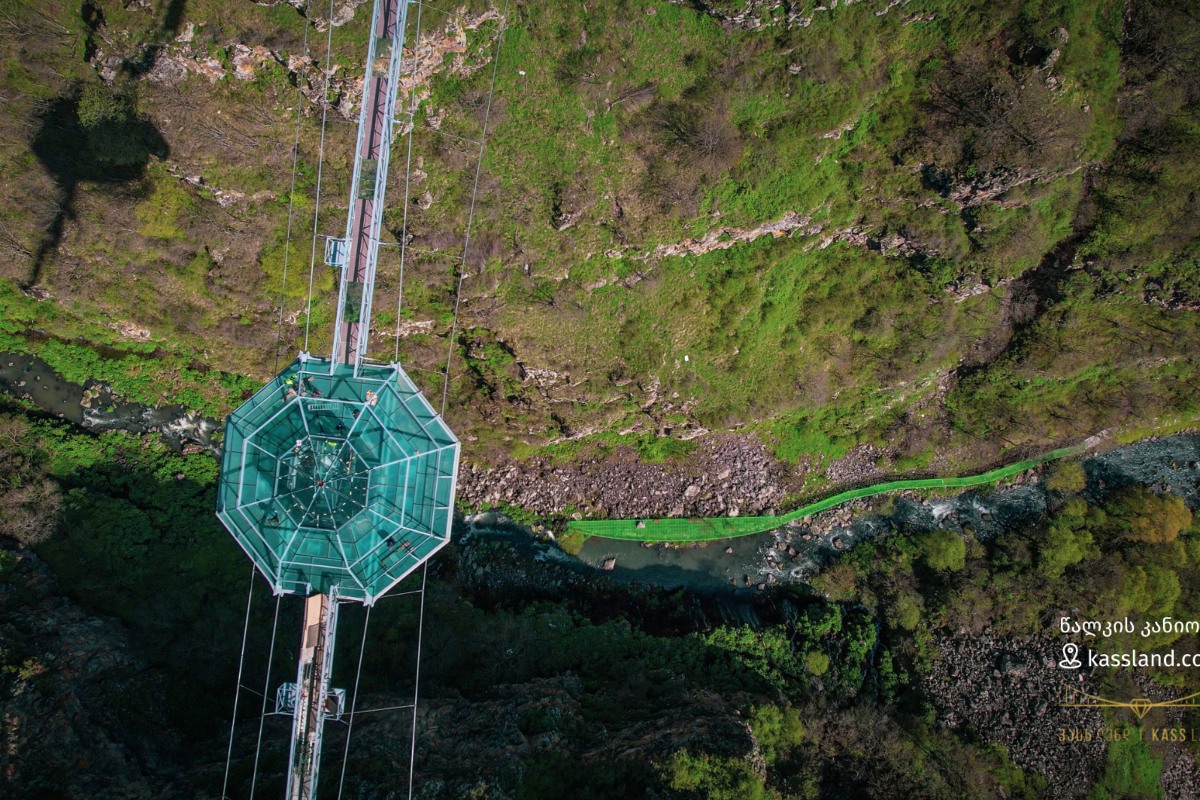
(337, 476)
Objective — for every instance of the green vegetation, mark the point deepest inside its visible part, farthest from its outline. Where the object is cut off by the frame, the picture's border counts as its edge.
(127, 528)
(943, 551)
(1131, 771)
(1066, 543)
(778, 730)
(1156, 519)
(29, 501)
(716, 778)
(1067, 477)
(771, 332)
(647, 447)
(826, 694)
(112, 130)
(992, 249)
(160, 212)
(134, 370)
(1081, 557)
(925, 306)
(571, 543)
(136, 539)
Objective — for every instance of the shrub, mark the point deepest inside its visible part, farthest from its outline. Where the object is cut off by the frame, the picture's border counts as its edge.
(838, 582)
(715, 778)
(1063, 547)
(1143, 516)
(571, 543)
(816, 663)
(906, 611)
(113, 131)
(1067, 477)
(943, 551)
(777, 730)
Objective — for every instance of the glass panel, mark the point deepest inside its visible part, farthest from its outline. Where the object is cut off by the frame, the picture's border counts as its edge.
(367, 175)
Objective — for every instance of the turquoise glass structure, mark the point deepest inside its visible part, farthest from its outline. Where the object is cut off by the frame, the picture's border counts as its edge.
(338, 476)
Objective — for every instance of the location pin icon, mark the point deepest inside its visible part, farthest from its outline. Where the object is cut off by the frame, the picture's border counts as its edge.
(1070, 659)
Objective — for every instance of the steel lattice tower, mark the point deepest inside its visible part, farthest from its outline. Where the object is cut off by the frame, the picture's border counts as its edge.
(338, 477)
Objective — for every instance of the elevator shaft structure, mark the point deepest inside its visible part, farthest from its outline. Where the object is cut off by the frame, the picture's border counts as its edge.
(351, 332)
(338, 477)
(313, 699)
(358, 252)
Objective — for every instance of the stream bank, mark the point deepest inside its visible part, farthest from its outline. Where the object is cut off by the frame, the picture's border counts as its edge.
(93, 405)
(794, 553)
(733, 469)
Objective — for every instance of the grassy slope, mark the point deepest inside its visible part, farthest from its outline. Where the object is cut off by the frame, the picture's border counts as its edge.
(641, 123)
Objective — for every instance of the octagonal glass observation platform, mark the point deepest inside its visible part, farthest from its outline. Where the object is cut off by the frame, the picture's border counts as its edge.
(331, 478)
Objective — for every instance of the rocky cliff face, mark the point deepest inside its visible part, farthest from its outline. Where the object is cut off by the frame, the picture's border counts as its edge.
(82, 714)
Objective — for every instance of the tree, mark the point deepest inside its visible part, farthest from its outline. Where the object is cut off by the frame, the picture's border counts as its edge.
(1143, 516)
(29, 511)
(943, 551)
(905, 612)
(990, 115)
(837, 582)
(29, 501)
(817, 663)
(1063, 547)
(114, 132)
(715, 778)
(777, 730)
(1067, 477)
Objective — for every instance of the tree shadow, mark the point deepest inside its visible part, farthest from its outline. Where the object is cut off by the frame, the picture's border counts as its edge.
(111, 147)
(173, 18)
(87, 135)
(93, 20)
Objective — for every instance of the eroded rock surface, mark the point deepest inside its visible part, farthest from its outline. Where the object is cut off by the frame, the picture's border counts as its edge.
(1008, 691)
(727, 476)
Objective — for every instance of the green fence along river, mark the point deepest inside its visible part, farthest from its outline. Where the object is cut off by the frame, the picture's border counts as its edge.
(708, 529)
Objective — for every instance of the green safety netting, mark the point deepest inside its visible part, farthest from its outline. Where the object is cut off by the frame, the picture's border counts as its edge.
(335, 478)
(699, 530)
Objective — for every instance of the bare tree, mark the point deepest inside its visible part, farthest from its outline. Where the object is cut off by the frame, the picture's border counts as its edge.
(29, 512)
(29, 501)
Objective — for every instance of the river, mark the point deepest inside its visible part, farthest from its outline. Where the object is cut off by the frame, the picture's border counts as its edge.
(745, 565)
(794, 553)
(31, 378)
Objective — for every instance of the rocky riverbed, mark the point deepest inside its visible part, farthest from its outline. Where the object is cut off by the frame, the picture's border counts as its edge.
(727, 476)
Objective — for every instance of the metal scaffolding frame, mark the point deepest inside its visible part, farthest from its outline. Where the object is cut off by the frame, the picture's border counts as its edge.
(358, 252)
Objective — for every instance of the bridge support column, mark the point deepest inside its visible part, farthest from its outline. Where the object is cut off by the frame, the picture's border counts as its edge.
(313, 695)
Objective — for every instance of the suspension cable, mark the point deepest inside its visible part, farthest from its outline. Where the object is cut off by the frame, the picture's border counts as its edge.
(385, 708)
(412, 753)
(462, 270)
(412, 124)
(287, 241)
(450, 14)
(266, 689)
(354, 702)
(238, 692)
(312, 258)
(453, 333)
